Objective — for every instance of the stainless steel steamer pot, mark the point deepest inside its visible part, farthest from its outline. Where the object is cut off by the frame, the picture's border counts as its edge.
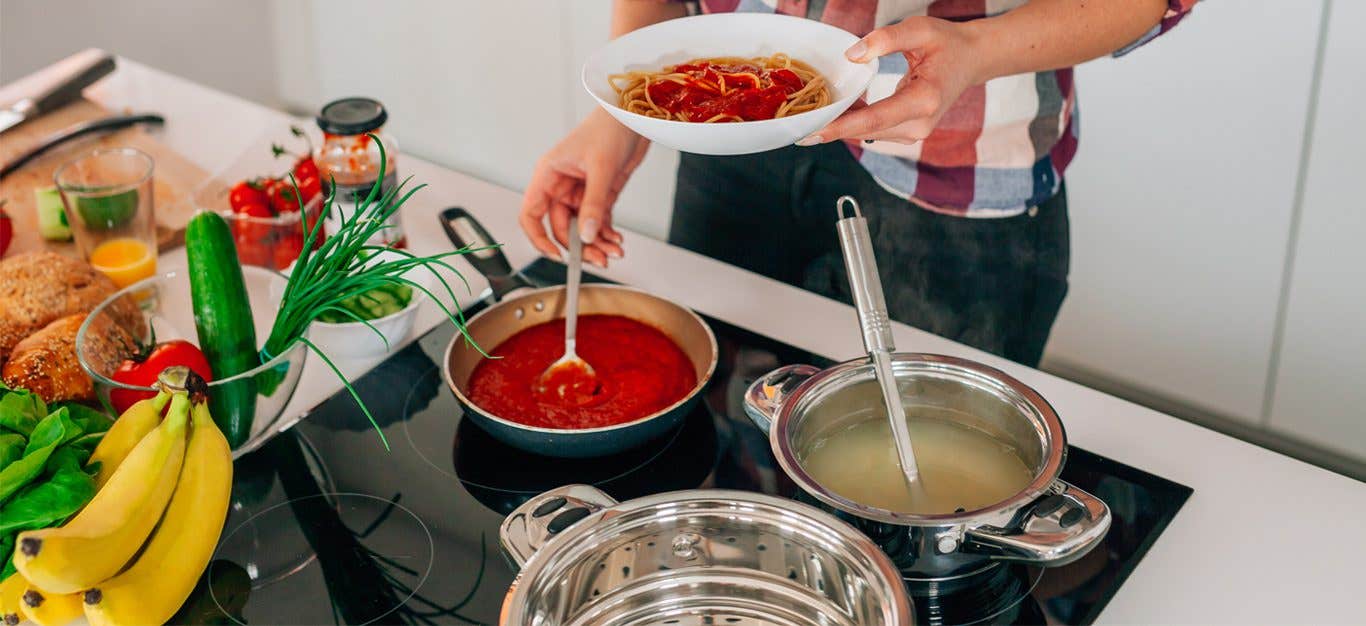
(685, 558)
(519, 305)
(1048, 523)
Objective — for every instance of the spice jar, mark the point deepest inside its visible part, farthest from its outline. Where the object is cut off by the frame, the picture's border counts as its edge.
(349, 158)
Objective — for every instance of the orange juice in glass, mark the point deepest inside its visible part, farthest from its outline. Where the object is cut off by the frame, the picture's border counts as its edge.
(107, 195)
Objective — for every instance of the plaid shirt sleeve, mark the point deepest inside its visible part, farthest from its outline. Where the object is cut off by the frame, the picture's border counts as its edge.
(1176, 10)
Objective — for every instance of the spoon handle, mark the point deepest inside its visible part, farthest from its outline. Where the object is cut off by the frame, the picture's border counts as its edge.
(571, 286)
(876, 325)
(864, 283)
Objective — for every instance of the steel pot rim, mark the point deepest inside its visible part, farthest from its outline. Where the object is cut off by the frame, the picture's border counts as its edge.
(570, 542)
(1054, 453)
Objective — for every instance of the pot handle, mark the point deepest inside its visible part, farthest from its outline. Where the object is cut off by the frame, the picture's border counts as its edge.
(486, 255)
(543, 517)
(767, 394)
(1056, 529)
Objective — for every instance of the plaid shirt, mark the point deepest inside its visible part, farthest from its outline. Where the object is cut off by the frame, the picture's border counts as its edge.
(1001, 148)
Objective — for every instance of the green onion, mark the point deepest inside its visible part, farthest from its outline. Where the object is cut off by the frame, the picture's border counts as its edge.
(340, 269)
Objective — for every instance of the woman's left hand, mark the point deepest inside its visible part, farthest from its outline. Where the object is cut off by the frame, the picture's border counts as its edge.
(941, 57)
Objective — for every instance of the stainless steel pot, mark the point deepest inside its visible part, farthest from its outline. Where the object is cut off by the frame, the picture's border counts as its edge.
(685, 558)
(1049, 522)
(519, 305)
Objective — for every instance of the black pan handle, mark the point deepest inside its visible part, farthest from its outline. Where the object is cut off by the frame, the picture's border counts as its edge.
(486, 256)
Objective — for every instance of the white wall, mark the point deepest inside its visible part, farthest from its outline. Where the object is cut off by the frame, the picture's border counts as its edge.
(465, 88)
(224, 44)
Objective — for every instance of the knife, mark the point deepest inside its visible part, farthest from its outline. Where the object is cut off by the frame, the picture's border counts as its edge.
(107, 124)
(56, 85)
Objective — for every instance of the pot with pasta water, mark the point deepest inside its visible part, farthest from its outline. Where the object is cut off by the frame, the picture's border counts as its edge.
(989, 450)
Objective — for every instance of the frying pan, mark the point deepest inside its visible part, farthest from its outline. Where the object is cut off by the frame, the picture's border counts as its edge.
(519, 304)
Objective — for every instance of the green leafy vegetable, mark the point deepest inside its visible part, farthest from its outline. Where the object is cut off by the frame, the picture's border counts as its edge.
(20, 411)
(324, 279)
(50, 502)
(11, 448)
(55, 430)
(43, 477)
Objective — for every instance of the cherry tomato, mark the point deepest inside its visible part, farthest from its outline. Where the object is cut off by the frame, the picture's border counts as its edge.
(305, 168)
(253, 237)
(246, 193)
(287, 249)
(143, 371)
(311, 188)
(282, 197)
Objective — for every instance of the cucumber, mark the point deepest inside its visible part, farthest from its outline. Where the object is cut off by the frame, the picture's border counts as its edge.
(222, 316)
(51, 214)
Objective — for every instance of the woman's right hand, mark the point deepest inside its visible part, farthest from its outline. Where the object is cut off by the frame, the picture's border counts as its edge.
(582, 175)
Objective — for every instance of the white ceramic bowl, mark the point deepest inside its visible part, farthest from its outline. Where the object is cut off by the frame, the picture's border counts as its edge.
(354, 339)
(730, 34)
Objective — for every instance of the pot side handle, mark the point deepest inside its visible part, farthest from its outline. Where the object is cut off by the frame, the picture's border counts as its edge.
(1054, 530)
(767, 394)
(486, 255)
(543, 517)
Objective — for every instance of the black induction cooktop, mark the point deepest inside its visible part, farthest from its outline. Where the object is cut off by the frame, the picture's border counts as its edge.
(328, 526)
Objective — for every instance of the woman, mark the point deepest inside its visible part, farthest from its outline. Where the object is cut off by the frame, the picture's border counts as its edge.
(957, 160)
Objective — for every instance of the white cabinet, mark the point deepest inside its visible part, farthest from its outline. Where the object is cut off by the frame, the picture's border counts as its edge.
(1181, 198)
(1320, 387)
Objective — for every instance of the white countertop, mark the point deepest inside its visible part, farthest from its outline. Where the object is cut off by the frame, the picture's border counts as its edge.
(1264, 539)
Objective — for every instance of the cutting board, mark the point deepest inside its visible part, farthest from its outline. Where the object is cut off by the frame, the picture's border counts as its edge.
(174, 177)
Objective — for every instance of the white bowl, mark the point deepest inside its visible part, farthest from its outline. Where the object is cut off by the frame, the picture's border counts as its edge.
(355, 339)
(730, 34)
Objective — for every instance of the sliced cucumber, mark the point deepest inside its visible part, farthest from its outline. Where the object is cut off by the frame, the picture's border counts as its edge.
(52, 223)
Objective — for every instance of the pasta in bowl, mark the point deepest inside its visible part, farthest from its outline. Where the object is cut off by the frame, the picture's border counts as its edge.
(734, 83)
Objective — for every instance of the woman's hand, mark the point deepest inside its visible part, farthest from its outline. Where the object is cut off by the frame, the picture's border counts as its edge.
(943, 61)
(582, 175)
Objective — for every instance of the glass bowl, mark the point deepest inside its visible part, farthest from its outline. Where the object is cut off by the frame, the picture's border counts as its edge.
(164, 301)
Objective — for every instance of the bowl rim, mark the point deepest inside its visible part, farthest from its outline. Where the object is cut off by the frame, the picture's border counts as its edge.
(148, 282)
(280, 219)
(872, 66)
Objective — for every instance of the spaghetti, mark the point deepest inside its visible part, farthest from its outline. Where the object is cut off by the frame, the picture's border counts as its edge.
(724, 89)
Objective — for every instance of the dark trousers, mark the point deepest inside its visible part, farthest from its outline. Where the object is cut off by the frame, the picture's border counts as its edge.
(994, 284)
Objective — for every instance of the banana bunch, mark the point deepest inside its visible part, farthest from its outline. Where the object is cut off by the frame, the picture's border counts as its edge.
(135, 552)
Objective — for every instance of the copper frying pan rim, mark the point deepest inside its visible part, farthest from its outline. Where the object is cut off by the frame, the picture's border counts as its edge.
(702, 381)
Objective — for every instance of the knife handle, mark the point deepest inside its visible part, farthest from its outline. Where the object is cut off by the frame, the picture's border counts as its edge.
(63, 81)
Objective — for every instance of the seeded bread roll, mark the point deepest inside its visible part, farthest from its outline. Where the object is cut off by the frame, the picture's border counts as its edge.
(45, 362)
(37, 288)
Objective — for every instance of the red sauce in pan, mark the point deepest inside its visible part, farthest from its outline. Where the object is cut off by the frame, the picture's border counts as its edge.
(640, 370)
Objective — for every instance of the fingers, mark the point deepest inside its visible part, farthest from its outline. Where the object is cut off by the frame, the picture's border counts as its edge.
(595, 210)
(559, 222)
(535, 204)
(918, 99)
(900, 37)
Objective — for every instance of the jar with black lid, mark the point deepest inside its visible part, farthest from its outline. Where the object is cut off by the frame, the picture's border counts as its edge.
(350, 158)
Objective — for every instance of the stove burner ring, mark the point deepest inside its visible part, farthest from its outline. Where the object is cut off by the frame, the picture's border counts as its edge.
(351, 523)
(977, 597)
(407, 415)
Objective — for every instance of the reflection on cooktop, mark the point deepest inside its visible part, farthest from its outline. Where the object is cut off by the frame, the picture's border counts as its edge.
(434, 500)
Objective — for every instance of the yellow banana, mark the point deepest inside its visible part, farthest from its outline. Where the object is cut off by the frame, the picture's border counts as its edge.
(11, 590)
(165, 573)
(50, 609)
(105, 535)
(125, 434)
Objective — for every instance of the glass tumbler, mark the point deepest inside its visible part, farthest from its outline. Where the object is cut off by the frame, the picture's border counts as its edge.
(108, 199)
